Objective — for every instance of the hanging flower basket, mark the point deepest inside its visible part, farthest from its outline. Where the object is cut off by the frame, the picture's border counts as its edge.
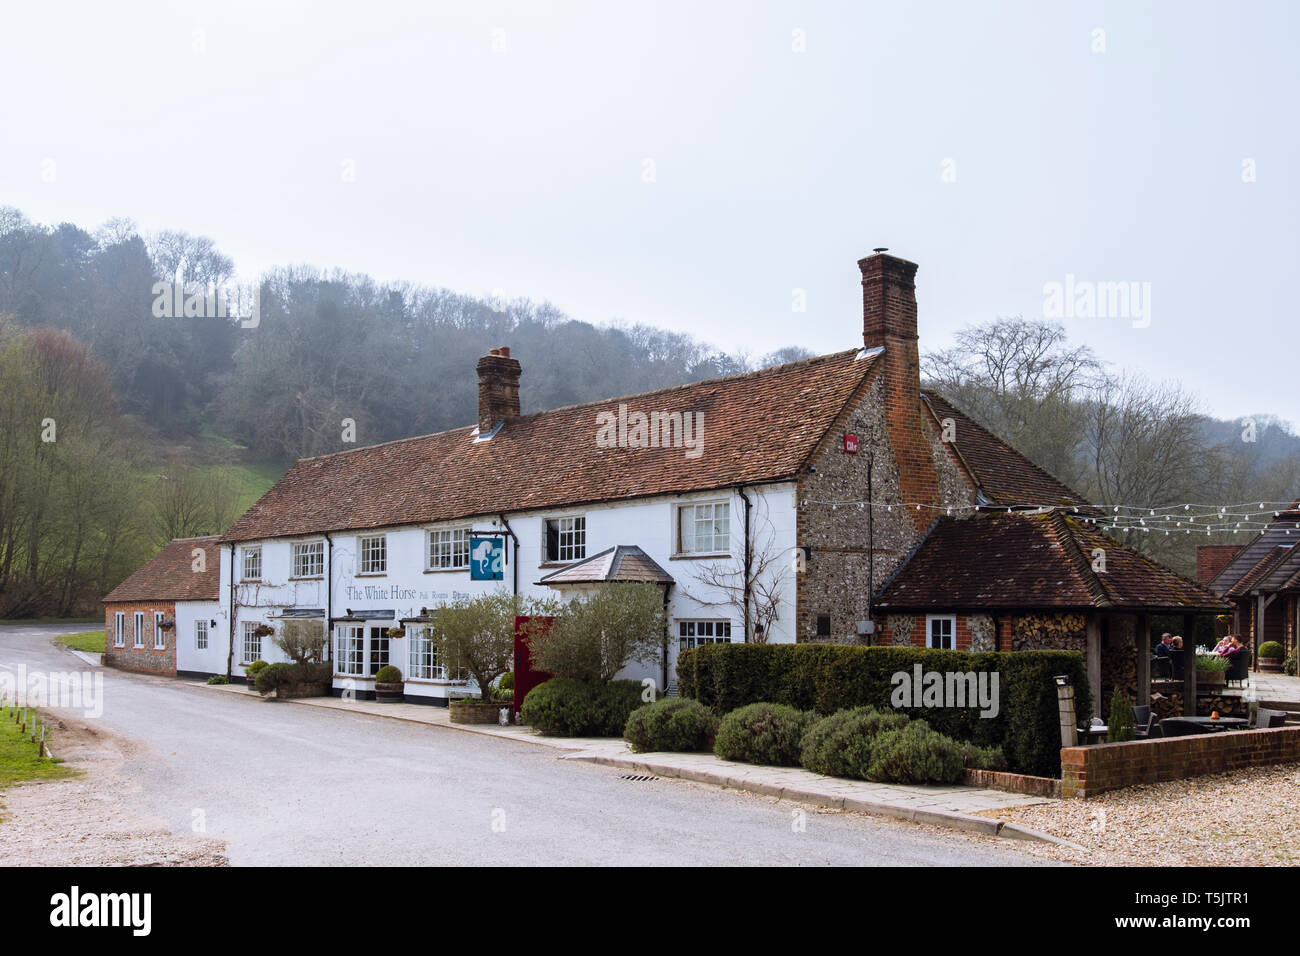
(166, 625)
(264, 630)
(396, 632)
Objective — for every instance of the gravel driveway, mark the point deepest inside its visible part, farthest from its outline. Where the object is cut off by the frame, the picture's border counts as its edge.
(270, 783)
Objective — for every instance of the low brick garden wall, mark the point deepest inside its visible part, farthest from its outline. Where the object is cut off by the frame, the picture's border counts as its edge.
(1088, 771)
(1012, 782)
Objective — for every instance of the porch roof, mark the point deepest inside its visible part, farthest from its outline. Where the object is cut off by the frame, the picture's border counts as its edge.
(1035, 560)
(623, 563)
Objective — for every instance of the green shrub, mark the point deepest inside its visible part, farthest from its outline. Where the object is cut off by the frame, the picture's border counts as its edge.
(982, 758)
(252, 669)
(274, 676)
(388, 674)
(915, 754)
(564, 707)
(1289, 665)
(615, 703)
(1121, 726)
(841, 745)
(762, 733)
(507, 681)
(1271, 649)
(671, 725)
(218, 679)
(1212, 662)
(826, 678)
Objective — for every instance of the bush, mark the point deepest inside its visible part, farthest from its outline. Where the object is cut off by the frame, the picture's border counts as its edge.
(252, 669)
(218, 679)
(841, 745)
(388, 674)
(1289, 665)
(1271, 649)
(274, 676)
(1121, 726)
(982, 758)
(1212, 662)
(915, 754)
(671, 725)
(564, 707)
(762, 733)
(507, 681)
(827, 677)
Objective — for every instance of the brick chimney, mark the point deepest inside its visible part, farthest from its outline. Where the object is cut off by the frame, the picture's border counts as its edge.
(498, 389)
(889, 321)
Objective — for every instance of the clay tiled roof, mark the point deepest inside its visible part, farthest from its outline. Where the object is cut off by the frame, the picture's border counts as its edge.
(762, 426)
(626, 562)
(1004, 475)
(1010, 560)
(1265, 562)
(170, 576)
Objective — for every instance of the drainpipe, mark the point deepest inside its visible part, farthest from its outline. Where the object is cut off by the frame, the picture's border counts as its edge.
(871, 547)
(329, 602)
(667, 637)
(740, 490)
(230, 631)
(511, 532)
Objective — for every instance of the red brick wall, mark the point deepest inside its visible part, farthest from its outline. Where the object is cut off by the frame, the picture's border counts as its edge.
(147, 658)
(918, 635)
(1213, 558)
(1088, 771)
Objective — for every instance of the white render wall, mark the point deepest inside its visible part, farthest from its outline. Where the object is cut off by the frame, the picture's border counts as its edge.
(188, 656)
(406, 587)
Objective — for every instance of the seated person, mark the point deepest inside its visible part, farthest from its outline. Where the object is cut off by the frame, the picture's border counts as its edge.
(1166, 646)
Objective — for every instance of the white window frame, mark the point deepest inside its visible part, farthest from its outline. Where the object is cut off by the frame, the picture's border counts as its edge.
(699, 517)
(119, 629)
(250, 638)
(696, 632)
(159, 635)
(350, 650)
(421, 654)
(200, 635)
(305, 556)
(930, 619)
(572, 526)
(254, 556)
(372, 554)
(447, 549)
(137, 629)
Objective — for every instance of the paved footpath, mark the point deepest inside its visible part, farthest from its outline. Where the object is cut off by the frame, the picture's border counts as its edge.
(951, 806)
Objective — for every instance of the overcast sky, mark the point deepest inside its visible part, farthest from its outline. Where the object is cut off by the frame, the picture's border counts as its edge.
(506, 147)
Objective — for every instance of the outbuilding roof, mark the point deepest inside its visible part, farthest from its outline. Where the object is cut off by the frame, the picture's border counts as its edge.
(171, 575)
(1035, 560)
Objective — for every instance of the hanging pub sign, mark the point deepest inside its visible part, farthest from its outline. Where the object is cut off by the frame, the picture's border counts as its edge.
(486, 558)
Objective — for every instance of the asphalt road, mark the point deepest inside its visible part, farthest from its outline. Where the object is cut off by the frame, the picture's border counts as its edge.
(297, 785)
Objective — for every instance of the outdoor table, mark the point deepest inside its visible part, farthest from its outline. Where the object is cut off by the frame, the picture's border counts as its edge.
(1222, 723)
(1090, 735)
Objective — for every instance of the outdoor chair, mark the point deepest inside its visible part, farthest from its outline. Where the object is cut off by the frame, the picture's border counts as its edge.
(1161, 667)
(1239, 668)
(1267, 719)
(1177, 727)
(1176, 665)
(1143, 721)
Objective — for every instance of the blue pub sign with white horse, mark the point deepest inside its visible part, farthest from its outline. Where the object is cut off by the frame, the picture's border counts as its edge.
(486, 559)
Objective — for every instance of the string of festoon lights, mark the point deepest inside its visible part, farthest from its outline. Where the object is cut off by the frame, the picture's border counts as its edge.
(1183, 518)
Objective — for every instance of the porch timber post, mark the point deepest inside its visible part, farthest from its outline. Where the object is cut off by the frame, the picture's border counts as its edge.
(1258, 637)
(1143, 633)
(1189, 665)
(1093, 661)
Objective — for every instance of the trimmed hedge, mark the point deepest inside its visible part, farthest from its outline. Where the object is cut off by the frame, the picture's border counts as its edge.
(915, 754)
(564, 707)
(671, 725)
(826, 678)
(274, 676)
(767, 734)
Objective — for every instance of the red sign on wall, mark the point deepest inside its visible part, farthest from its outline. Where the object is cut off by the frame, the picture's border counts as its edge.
(850, 444)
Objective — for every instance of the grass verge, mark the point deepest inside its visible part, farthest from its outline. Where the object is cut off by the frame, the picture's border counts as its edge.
(18, 760)
(92, 642)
